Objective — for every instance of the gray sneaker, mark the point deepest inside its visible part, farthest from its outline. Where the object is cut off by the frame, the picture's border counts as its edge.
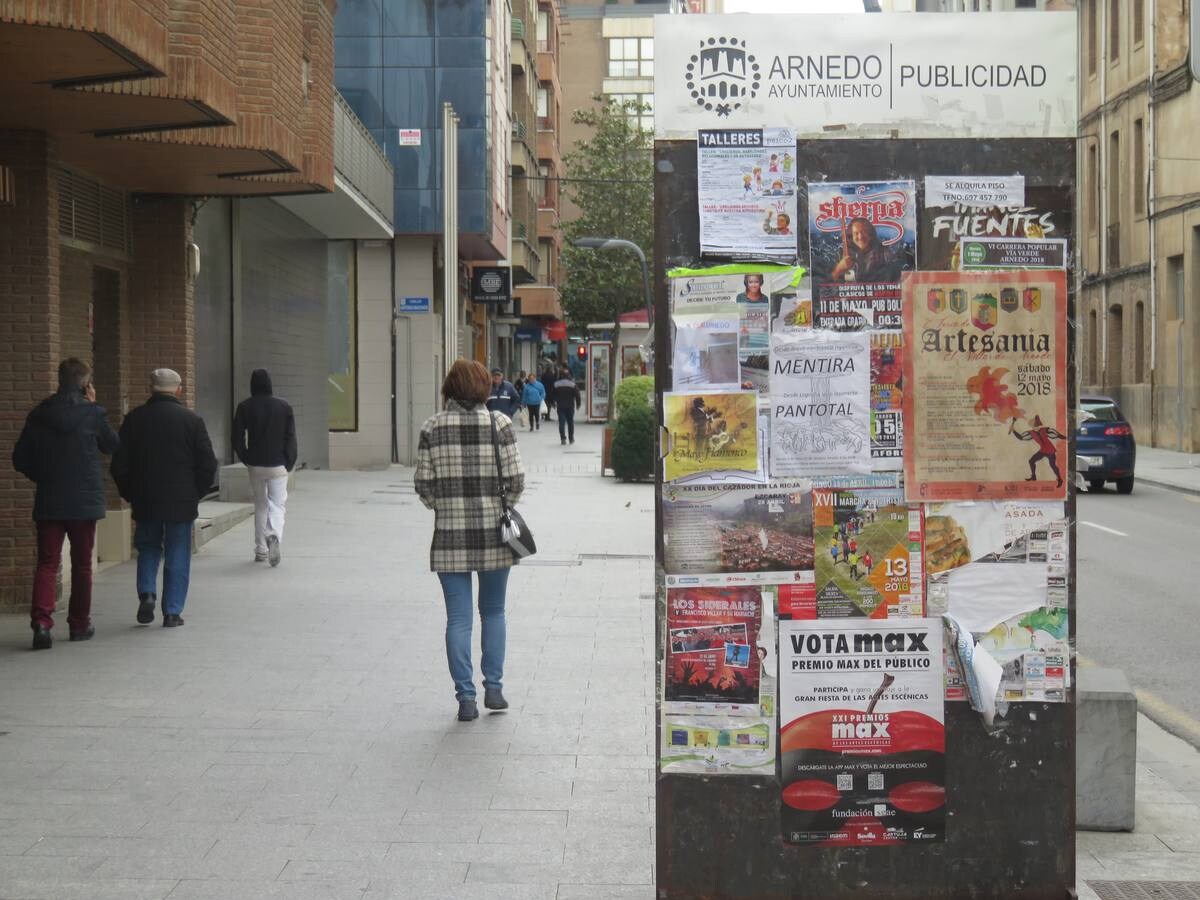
(468, 710)
(273, 554)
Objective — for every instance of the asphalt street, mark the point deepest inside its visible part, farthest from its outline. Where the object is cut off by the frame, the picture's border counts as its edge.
(1139, 597)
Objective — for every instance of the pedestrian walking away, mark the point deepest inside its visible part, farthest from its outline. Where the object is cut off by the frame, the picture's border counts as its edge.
(547, 379)
(532, 396)
(264, 439)
(164, 465)
(456, 477)
(567, 399)
(59, 451)
(502, 396)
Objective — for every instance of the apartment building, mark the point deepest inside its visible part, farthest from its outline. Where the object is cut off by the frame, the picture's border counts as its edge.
(1139, 215)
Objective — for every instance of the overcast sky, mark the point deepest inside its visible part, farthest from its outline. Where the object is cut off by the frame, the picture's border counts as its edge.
(793, 6)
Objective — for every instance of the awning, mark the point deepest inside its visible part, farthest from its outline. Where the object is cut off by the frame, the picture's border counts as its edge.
(556, 331)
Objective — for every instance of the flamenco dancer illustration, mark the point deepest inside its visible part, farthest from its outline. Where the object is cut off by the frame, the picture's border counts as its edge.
(1044, 436)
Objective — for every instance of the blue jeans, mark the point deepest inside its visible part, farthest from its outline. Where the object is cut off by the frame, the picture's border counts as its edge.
(171, 544)
(456, 586)
(566, 422)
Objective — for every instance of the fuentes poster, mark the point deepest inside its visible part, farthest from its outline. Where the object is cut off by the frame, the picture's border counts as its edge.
(820, 403)
(710, 432)
(711, 663)
(985, 370)
(747, 190)
(862, 735)
(862, 235)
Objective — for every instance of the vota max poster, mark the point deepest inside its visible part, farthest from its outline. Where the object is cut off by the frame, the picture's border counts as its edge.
(862, 732)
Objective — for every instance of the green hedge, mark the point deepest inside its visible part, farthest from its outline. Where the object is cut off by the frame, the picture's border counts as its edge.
(633, 391)
(633, 443)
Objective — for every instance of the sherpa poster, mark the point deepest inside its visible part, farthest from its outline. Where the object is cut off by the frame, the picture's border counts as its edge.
(985, 369)
(862, 236)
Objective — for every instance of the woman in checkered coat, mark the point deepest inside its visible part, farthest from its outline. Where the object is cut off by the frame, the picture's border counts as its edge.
(456, 478)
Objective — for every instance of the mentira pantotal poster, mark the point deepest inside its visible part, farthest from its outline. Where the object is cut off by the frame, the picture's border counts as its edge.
(862, 236)
(985, 375)
(862, 735)
(710, 431)
(887, 400)
(711, 658)
(868, 549)
(747, 189)
(820, 403)
(1000, 568)
(758, 534)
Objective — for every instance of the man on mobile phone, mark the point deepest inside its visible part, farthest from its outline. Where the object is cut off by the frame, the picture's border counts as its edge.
(59, 450)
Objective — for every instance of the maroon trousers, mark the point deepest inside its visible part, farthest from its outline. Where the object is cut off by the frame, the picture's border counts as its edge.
(50, 534)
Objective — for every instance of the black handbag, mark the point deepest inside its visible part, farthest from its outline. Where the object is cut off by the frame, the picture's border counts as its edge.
(514, 533)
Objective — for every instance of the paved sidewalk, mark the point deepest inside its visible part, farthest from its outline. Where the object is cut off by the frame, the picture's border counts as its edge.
(296, 739)
(1167, 468)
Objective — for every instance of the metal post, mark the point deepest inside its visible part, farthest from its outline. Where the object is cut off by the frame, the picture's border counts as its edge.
(450, 312)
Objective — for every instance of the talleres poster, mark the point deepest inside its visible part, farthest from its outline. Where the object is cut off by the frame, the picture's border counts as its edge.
(747, 192)
(820, 403)
(985, 400)
(710, 431)
(862, 236)
(862, 738)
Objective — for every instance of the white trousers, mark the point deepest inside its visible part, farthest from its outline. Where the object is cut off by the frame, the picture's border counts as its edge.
(269, 485)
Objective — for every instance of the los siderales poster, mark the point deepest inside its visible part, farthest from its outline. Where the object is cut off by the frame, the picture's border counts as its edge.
(862, 737)
(862, 236)
(710, 431)
(712, 662)
(985, 374)
(868, 554)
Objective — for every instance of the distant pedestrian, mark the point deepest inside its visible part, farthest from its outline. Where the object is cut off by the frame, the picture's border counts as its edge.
(567, 399)
(264, 439)
(164, 465)
(532, 395)
(503, 397)
(547, 379)
(456, 477)
(59, 450)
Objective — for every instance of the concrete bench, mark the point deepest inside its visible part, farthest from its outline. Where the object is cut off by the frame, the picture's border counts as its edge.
(1105, 750)
(235, 484)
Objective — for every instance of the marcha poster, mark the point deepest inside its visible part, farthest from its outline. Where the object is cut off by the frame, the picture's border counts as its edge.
(763, 534)
(887, 401)
(862, 236)
(862, 732)
(985, 375)
(747, 192)
(710, 431)
(711, 660)
(820, 403)
(868, 554)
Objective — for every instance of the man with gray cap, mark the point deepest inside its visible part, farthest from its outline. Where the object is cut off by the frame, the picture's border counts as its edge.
(164, 465)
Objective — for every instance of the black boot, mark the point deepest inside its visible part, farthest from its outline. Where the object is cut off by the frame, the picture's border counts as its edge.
(41, 638)
(493, 698)
(146, 604)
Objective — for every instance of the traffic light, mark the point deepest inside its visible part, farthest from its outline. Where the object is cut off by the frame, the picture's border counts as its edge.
(582, 351)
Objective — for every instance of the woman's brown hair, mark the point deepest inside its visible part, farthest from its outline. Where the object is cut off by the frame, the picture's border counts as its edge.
(467, 383)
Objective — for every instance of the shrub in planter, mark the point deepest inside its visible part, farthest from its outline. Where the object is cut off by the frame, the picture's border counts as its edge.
(633, 444)
(633, 391)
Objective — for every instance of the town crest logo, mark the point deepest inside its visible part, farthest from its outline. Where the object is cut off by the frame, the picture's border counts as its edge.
(722, 75)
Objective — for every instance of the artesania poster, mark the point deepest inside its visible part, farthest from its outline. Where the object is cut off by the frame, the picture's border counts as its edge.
(711, 660)
(710, 431)
(820, 403)
(887, 401)
(985, 375)
(747, 189)
(868, 554)
(862, 737)
(862, 236)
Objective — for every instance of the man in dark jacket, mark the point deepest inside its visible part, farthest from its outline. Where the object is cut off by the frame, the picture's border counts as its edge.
(547, 379)
(264, 439)
(504, 397)
(566, 399)
(59, 450)
(164, 466)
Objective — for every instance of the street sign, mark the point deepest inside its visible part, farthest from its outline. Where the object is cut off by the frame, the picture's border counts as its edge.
(414, 305)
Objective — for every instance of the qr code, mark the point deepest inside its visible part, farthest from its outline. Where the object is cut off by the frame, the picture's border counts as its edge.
(875, 781)
(845, 782)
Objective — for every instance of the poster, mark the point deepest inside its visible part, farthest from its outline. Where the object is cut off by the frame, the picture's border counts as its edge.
(706, 352)
(712, 663)
(820, 403)
(710, 431)
(747, 190)
(733, 477)
(757, 534)
(862, 736)
(862, 236)
(1012, 253)
(717, 745)
(887, 400)
(868, 543)
(745, 290)
(631, 362)
(985, 404)
(1044, 213)
(599, 354)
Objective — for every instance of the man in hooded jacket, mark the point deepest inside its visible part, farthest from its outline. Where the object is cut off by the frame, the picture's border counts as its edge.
(59, 450)
(264, 438)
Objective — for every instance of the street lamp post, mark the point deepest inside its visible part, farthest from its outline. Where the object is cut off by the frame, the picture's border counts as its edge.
(603, 243)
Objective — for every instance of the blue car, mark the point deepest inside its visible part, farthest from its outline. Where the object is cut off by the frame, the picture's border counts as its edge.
(1104, 447)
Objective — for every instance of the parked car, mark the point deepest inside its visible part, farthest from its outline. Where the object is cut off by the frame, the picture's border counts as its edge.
(1104, 447)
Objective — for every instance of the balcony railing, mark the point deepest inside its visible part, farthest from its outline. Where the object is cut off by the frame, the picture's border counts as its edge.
(360, 161)
(518, 28)
(1113, 246)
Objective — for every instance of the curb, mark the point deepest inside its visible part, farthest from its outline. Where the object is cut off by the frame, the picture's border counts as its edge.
(1169, 485)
